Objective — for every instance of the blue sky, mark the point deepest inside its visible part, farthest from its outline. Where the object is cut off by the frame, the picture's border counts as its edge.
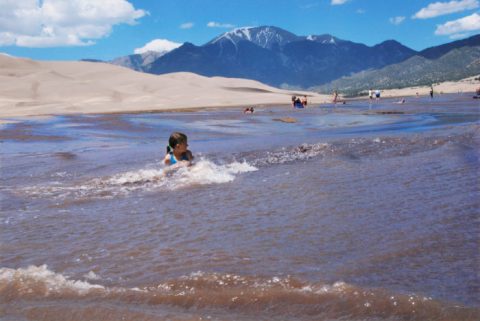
(106, 29)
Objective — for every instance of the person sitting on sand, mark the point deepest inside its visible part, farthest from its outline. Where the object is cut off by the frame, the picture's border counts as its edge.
(177, 151)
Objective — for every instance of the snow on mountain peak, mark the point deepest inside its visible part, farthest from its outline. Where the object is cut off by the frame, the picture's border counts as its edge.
(243, 33)
(235, 35)
(325, 39)
(265, 37)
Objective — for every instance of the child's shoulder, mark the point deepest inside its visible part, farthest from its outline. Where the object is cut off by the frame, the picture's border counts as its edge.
(167, 159)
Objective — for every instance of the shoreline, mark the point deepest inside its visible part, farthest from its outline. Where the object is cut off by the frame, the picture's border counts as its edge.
(45, 89)
(15, 118)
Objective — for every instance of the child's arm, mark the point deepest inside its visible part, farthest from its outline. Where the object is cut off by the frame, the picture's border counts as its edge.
(166, 160)
(189, 155)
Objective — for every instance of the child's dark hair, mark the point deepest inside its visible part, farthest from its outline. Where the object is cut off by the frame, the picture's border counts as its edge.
(175, 139)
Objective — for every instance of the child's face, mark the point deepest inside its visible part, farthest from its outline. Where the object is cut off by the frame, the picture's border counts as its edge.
(181, 147)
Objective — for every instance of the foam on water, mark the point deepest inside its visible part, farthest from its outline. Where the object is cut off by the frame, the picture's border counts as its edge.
(275, 296)
(39, 280)
(203, 172)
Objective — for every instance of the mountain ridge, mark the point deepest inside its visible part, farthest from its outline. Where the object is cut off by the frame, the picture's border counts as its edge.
(457, 64)
(280, 58)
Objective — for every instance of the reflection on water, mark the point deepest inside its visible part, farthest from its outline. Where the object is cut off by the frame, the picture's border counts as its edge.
(348, 213)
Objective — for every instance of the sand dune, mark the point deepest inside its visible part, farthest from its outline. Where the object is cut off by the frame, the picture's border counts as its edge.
(31, 88)
(34, 88)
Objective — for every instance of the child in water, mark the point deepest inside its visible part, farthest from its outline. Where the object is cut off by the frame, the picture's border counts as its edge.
(177, 151)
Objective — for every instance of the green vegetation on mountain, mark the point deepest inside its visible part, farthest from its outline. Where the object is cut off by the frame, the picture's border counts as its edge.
(417, 71)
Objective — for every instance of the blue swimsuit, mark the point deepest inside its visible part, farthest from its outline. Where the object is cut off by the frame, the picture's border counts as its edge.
(173, 160)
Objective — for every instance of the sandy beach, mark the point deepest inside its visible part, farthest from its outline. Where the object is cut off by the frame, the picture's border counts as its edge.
(449, 87)
(33, 88)
(40, 88)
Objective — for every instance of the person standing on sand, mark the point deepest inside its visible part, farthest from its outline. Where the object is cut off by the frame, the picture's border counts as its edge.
(370, 94)
(431, 92)
(335, 97)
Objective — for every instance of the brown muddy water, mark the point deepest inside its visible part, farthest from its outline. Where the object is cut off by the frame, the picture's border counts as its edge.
(359, 212)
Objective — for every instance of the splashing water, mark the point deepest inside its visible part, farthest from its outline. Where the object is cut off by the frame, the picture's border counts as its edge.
(203, 172)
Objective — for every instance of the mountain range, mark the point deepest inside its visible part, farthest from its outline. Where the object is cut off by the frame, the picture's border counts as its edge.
(321, 62)
(457, 64)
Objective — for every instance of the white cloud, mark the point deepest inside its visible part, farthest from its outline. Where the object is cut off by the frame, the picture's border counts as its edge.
(442, 8)
(338, 2)
(213, 24)
(396, 20)
(361, 11)
(158, 45)
(187, 25)
(50, 23)
(466, 24)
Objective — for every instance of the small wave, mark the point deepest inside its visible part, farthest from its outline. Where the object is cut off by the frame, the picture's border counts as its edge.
(364, 147)
(297, 153)
(270, 296)
(35, 281)
(206, 172)
(203, 172)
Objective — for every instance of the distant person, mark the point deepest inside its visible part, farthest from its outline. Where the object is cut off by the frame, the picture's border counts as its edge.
(177, 151)
(294, 98)
(298, 103)
(478, 91)
(335, 96)
(401, 101)
(370, 94)
(416, 94)
(249, 110)
(377, 94)
(304, 101)
(431, 91)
